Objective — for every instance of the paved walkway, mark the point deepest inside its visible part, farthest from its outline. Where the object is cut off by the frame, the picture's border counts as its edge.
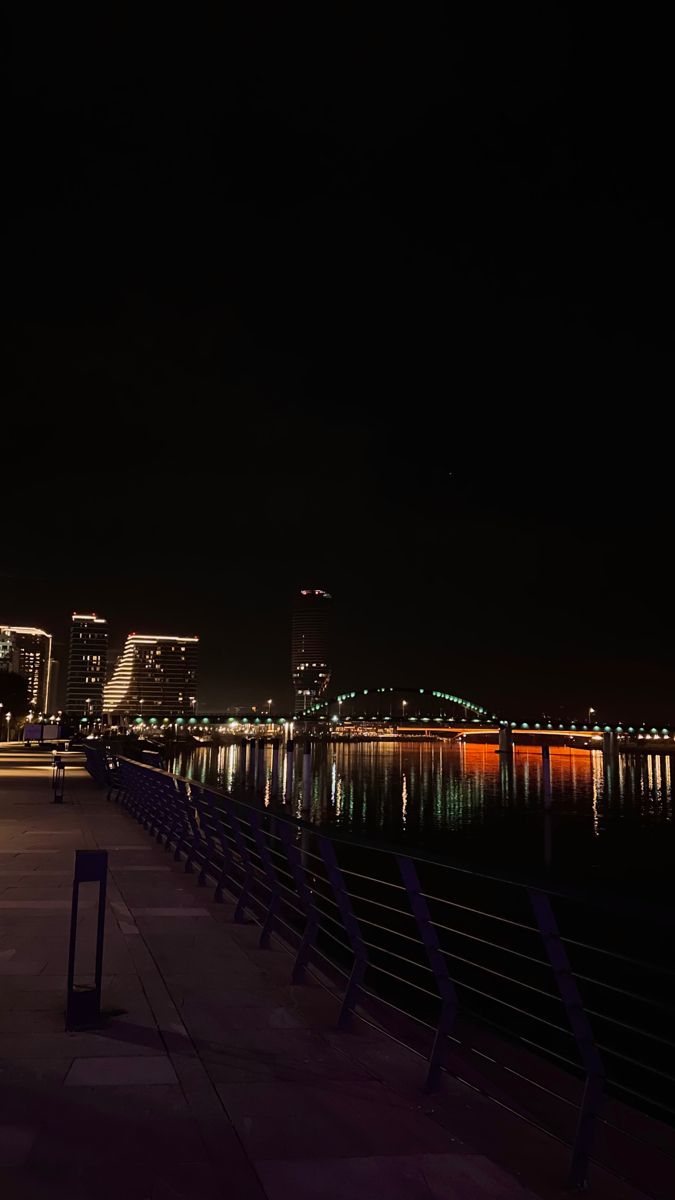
(213, 1076)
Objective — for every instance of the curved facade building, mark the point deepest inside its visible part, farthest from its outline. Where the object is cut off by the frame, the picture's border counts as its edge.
(155, 676)
(310, 649)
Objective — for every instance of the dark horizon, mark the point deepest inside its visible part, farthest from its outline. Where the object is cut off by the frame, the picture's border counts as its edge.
(381, 306)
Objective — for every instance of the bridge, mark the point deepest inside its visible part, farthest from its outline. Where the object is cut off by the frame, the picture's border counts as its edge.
(415, 710)
(409, 711)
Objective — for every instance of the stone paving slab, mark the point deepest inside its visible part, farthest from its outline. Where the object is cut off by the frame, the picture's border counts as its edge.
(111, 1072)
(396, 1177)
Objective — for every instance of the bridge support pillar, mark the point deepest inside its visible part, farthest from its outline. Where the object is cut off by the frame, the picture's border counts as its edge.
(505, 740)
(261, 763)
(290, 749)
(307, 776)
(548, 803)
(610, 744)
(275, 766)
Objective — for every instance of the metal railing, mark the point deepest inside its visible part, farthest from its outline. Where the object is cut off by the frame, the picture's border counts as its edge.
(527, 995)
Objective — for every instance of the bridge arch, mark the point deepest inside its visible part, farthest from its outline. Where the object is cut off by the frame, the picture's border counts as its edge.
(397, 704)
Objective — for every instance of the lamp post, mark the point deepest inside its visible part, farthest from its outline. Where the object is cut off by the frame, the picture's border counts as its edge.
(7, 718)
(590, 714)
(269, 708)
(404, 705)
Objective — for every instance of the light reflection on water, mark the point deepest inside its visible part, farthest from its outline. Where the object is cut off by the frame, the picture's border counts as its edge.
(464, 799)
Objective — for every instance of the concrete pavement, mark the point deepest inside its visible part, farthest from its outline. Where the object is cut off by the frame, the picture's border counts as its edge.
(212, 1076)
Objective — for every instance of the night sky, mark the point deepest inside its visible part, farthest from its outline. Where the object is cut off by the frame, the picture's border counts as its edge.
(347, 300)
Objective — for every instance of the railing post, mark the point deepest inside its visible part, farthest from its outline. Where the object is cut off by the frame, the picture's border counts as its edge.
(203, 833)
(191, 839)
(438, 1058)
(306, 899)
(245, 859)
(583, 1036)
(266, 860)
(182, 841)
(226, 868)
(353, 930)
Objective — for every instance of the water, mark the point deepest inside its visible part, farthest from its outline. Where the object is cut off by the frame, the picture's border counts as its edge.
(462, 802)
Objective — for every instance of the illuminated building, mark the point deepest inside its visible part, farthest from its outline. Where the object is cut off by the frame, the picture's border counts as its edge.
(87, 662)
(28, 652)
(155, 676)
(53, 697)
(310, 646)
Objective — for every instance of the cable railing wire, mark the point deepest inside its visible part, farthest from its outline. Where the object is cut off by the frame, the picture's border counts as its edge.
(230, 840)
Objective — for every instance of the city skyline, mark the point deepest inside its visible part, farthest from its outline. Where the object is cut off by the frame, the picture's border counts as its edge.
(382, 335)
(223, 692)
(335, 516)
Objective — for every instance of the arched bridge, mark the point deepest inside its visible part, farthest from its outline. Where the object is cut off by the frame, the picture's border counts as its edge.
(397, 704)
(417, 710)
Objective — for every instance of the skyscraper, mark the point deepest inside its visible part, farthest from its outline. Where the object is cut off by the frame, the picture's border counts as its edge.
(28, 652)
(310, 650)
(155, 676)
(87, 663)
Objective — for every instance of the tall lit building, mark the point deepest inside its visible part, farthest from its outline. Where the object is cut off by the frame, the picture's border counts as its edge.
(310, 650)
(155, 676)
(87, 663)
(53, 695)
(28, 652)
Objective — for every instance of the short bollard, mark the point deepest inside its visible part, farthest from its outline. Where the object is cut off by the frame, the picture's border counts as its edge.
(58, 779)
(83, 1004)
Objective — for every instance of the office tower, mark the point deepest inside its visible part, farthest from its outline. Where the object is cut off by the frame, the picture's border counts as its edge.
(155, 676)
(53, 697)
(310, 650)
(28, 652)
(87, 663)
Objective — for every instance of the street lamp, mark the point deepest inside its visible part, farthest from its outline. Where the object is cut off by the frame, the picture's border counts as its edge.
(590, 714)
(7, 718)
(404, 705)
(269, 708)
(87, 711)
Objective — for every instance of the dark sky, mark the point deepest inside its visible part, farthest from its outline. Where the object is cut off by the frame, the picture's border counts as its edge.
(347, 300)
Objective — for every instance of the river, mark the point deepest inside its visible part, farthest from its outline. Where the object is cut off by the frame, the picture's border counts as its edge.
(462, 802)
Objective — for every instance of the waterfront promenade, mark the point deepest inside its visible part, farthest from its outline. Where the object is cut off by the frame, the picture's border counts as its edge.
(212, 1076)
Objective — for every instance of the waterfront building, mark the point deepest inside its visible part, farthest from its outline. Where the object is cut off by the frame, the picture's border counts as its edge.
(87, 664)
(28, 652)
(310, 649)
(53, 696)
(155, 676)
